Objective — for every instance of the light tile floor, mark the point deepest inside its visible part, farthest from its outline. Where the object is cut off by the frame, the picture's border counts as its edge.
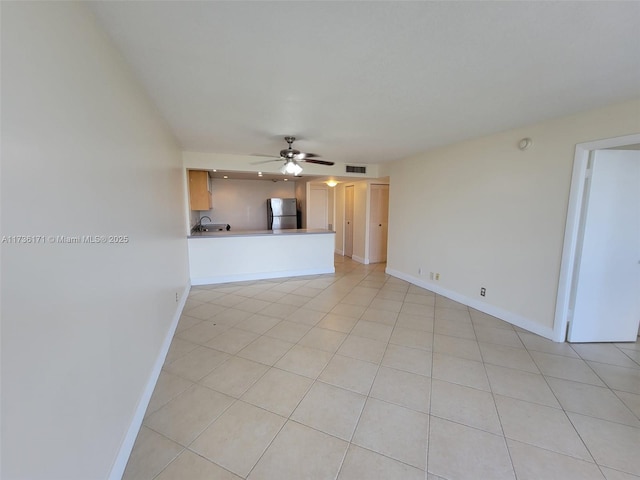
(359, 375)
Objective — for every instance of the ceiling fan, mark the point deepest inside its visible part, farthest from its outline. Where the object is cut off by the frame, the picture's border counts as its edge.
(291, 157)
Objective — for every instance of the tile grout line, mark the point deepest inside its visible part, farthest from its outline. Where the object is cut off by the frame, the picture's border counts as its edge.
(495, 405)
(433, 341)
(288, 419)
(270, 367)
(364, 405)
(567, 417)
(222, 412)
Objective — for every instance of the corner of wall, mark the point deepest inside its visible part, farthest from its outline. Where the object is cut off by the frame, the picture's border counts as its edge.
(509, 317)
(129, 439)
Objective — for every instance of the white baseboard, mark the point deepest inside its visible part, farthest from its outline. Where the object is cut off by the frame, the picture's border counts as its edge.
(242, 277)
(339, 252)
(509, 317)
(360, 259)
(136, 423)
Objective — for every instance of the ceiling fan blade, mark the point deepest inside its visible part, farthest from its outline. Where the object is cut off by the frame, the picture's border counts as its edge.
(319, 162)
(290, 156)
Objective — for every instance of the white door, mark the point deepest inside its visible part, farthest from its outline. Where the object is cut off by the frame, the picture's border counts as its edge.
(318, 208)
(348, 221)
(607, 291)
(378, 223)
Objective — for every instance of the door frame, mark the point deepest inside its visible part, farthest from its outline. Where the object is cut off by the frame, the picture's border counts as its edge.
(572, 227)
(344, 219)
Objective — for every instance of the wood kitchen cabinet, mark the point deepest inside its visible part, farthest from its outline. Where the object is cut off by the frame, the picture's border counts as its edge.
(199, 190)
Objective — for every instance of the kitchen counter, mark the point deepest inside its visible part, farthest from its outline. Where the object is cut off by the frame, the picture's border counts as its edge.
(232, 256)
(255, 233)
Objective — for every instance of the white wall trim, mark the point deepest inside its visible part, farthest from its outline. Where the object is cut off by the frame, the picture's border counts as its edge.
(260, 276)
(339, 252)
(367, 223)
(574, 212)
(497, 312)
(360, 259)
(129, 440)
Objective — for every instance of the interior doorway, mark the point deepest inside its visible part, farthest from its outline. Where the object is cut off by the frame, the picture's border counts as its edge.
(570, 273)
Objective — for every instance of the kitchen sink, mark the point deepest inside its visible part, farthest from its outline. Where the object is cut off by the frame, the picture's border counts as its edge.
(212, 227)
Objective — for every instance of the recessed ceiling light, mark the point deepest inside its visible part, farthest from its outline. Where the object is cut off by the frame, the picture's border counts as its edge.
(286, 179)
(225, 177)
(259, 174)
(215, 170)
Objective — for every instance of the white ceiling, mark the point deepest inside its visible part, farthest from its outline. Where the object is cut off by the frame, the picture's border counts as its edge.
(370, 82)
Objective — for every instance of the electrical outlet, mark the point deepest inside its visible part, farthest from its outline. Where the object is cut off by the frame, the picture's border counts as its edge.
(437, 276)
(483, 292)
(177, 298)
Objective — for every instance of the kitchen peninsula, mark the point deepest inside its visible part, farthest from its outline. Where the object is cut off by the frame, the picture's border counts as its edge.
(232, 256)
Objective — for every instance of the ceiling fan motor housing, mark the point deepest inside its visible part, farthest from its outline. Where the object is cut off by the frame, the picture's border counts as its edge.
(289, 153)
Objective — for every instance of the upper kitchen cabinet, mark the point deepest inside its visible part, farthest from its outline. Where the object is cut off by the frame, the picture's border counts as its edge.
(199, 190)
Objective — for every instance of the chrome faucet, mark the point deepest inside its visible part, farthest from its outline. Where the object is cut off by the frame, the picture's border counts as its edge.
(198, 227)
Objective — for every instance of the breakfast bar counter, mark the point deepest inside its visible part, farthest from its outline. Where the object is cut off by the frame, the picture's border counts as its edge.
(254, 233)
(232, 256)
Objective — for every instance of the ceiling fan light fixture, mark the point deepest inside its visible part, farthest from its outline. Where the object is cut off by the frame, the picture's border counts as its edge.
(291, 168)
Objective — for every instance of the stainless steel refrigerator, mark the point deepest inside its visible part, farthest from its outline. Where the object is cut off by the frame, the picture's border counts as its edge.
(282, 213)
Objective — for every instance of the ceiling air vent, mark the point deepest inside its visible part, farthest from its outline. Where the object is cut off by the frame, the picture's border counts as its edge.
(354, 169)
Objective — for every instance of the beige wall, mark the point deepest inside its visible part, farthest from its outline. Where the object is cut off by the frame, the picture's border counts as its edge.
(83, 325)
(482, 213)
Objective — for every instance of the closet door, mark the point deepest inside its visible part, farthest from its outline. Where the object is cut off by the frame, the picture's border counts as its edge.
(378, 223)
